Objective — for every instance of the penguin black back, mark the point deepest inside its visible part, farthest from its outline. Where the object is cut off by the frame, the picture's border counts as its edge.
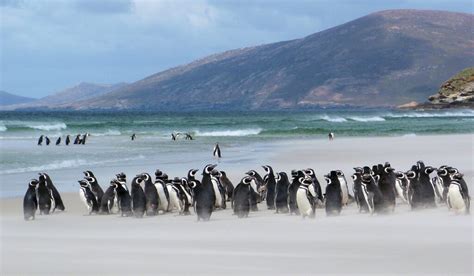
(44, 196)
(293, 189)
(58, 202)
(333, 194)
(124, 199)
(204, 195)
(95, 187)
(281, 193)
(138, 197)
(30, 203)
(269, 180)
(228, 186)
(241, 197)
(387, 187)
(107, 201)
(151, 195)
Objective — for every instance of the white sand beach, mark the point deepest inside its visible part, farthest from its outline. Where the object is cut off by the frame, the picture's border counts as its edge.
(425, 242)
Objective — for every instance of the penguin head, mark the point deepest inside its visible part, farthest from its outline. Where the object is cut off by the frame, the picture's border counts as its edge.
(410, 174)
(208, 169)
(184, 181)
(421, 165)
(33, 182)
(193, 184)
(176, 181)
(121, 175)
(457, 176)
(247, 180)
(429, 169)
(375, 169)
(267, 169)
(88, 174)
(137, 180)
(442, 171)
(367, 170)
(387, 164)
(356, 176)
(146, 177)
(42, 177)
(339, 173)
(388, 170)
(83, 183)
(306, 180)
(328, 179)
(192, 172)
(223, 173)
(452, 170)
(358, 169)
(294, 173)
(216, 173)
(400, 175)
(158, 173)
(309, 172)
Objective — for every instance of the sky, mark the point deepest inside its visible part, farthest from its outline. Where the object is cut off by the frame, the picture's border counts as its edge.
(49, 45)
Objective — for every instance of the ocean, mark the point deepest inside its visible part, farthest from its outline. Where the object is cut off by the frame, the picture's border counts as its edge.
(243, 136)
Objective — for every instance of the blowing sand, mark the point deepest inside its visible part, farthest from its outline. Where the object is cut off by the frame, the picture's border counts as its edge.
(426, 242)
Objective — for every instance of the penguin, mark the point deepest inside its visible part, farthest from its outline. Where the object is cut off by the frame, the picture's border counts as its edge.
(77, 140)
(192, 178)
(387, 187)
(151, 195)
(88, 197)
(44, 196)
(160, 183)
(138, 197)
(205, 196)
(306, 197)
(372, 196)
(241, 197)
(281, 193)
(95, 187)
(428, 194)
(227, 184)
(216, 152)
(40, 140)
(30, 202)
(218, 190)
(58, 141)
(333, 194)
(133, 137)
(357, 190)
(122, 178)
(401, 186)
(84, 137)
(269, 180)
(124, 199)
(317, 186)
(184, 197)
(344, 187)
(458, 198)
(47, 140)
(293, 189)
(68, 140)
(438, 187)
(58, 202)
(255, 196)
(414, 190)
(445, 179)
(107, 203)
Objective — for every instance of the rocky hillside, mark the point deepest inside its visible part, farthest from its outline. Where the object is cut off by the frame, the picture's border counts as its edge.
(9, 99)
(456, 92)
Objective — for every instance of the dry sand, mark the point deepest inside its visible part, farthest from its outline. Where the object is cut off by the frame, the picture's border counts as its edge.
(430, 242)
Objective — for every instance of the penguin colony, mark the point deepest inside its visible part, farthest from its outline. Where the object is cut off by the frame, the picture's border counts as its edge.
(375, 190)
(80, 139)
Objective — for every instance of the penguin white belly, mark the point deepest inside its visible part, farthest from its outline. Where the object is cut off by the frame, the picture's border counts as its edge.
(438, 185)
(163, 206)
(344, 191)
(218, 201)
(398, 187)
(83, 197)
(175, 203)
(303, 203)
(455, 199)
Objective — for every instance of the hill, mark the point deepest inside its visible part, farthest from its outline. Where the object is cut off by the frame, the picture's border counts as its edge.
(8, 99)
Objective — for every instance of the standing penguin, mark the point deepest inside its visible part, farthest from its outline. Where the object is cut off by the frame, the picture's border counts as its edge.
(255, 196)
(30, 203)
(95, 187)
(151, 195)
(40, 140)
(269, 180)
(357, 189)
(428, 194)
(293, 189)
(216, 152)
(401, 186)
(281, 193)
(77, 140)
(458, 198)
(387, 187)
(84, 137)
(183, 195)
(58, 141)
(138, 197)
(344, 187)
(124, 199)
(333, 194)
(241, 197)
(68, 140)
(445, 179)
(88, 197)
(218, 190)
(306, 197)
(317, 186)
(227, 184)
(107, 204)
(372, 196)
(205, 196)
(44, 196)
(58, 202)
(47, 140)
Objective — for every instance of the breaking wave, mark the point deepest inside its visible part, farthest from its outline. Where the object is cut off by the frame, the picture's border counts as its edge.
(367, 119)
(221, 133)
(333, 119)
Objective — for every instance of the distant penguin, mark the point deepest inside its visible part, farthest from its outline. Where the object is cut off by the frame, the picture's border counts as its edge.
(138, 197)
(269, 180)
(227, 184)
(88, 197)
(47, 140)
(84, 138)
(95, 187)
(107, 203)
(458, 198)
(151, 195)
(216, 152)
(218, 190)
(281, 193)
(68, 140)
(77, 140)
(344, 187)
(241, 197)
(58, 202)
(306, 197)
(205, 196)
(124, 199)
(333, 194)
(293, 189)
(58, 141)
(40, 140)
(44, 196)
(30, 203)
(387, 187)
(401, 186)
(317, 185)
(133, 137)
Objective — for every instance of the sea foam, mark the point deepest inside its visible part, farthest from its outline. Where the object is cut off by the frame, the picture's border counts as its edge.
(221, 133)
(367, 119)
(333, 119)
(47, 127)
